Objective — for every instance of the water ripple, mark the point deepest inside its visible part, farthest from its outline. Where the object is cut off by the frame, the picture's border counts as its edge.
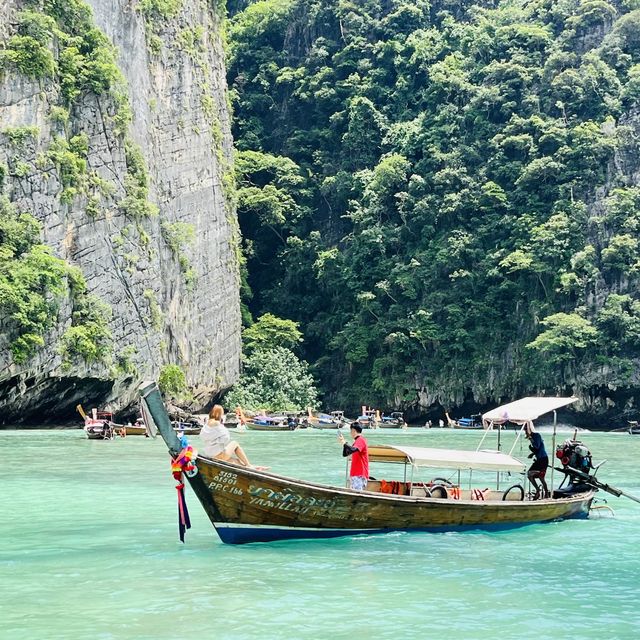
(90, 550)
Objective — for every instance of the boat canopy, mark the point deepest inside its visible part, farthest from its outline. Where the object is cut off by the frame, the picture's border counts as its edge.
(525, 409)
(445, 458)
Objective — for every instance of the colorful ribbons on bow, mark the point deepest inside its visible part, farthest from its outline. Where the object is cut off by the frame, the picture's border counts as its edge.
(183, 463)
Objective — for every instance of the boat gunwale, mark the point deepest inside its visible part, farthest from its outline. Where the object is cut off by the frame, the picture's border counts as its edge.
(375, 495)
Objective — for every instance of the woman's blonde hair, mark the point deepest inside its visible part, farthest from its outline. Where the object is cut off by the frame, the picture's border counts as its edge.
(216, 412)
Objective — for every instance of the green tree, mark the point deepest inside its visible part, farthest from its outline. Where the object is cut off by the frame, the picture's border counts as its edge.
(172, 381)
(619, 323)
(269, 332)
(273, 380)
(33, 282)
(567, 335)
(450, 162)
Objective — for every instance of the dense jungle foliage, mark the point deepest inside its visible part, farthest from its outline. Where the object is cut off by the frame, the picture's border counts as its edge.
(442, 194)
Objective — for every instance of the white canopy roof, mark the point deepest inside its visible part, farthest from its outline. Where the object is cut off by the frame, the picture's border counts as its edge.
(525, 410)
(446, 458)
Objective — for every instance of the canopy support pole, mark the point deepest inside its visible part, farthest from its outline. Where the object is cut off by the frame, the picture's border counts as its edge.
(515, 442)
(488, 428)
(553, 449)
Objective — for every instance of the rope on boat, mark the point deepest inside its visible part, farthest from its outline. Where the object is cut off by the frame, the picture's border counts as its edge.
(600, 507)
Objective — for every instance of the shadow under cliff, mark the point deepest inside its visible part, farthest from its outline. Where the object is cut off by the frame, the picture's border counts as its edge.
(48, 401)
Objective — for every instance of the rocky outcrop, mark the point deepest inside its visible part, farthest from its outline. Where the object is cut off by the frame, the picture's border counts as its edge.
(167, 267)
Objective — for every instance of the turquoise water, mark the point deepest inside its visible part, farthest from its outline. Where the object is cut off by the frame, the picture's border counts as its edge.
(90, 549)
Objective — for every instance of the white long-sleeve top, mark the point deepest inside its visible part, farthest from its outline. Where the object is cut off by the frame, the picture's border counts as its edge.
(214, 438)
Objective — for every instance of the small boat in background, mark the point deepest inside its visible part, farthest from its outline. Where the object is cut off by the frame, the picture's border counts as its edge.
(634, 428)
(138, 428)
(256, 426)
(474, 422)
(333, 420)
(369, 418)
(265, 422)
(394, 421)
(99, 425)
(187, 428)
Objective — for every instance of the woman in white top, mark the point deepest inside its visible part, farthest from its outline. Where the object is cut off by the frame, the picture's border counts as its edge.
(217, 442)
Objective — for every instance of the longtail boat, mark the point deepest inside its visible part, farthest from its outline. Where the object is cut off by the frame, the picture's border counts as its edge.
(333, 420)
(99, 425)
(186, 428)
(138, 428)
(394, 421)
(248, 505)
(270, 423)
(369, 418)
(259, 426)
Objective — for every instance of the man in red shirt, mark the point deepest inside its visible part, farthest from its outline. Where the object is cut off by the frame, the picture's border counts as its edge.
(359, 471)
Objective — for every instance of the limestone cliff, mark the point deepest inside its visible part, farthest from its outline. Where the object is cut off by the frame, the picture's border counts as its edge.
(128, 172)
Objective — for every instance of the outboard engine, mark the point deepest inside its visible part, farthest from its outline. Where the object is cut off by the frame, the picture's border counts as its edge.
(580, 473)
(572, 453)
(574, 457)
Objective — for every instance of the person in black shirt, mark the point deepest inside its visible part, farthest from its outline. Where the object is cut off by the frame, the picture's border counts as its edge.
(538, 469)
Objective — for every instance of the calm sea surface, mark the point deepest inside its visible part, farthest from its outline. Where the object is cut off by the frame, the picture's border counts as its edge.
(89, 549)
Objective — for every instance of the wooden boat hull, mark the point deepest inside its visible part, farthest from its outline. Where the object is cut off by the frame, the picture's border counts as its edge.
(267, 427)
(327, 425)
(134, 430)
(245, 505)
(99, 432)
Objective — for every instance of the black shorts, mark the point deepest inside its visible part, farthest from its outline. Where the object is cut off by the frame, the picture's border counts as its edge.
(539, 467)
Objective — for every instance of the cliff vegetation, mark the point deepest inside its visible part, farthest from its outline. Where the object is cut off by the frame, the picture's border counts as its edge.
(445, 196)
(117, 210)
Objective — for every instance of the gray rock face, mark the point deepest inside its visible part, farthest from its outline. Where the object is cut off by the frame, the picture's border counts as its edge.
(172, 303)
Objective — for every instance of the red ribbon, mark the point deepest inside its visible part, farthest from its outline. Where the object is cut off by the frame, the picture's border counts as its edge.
(182, 462)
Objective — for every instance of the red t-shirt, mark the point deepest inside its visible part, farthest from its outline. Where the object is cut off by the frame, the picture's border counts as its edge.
(360, 458)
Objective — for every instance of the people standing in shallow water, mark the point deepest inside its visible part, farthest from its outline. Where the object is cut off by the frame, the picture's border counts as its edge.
(359, 452)
(217, 443)
(538, 469)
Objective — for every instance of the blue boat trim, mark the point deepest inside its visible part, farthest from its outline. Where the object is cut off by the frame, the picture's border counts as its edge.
(231, 533)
